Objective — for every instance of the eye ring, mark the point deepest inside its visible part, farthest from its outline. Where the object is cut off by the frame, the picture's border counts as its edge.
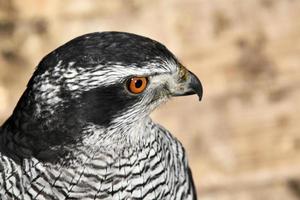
(137, 85)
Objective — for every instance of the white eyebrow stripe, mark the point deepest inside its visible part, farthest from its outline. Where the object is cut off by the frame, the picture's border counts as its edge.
(79, 79)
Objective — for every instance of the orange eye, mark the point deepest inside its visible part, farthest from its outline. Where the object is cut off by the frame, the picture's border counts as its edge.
(137, 85)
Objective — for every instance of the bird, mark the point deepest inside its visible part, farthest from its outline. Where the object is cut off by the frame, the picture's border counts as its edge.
(82, 130)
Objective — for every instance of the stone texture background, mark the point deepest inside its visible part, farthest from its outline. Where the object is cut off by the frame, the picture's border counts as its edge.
(243, 139)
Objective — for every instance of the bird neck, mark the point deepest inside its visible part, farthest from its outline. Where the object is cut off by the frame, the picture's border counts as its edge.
(30, 139)
(115, 141)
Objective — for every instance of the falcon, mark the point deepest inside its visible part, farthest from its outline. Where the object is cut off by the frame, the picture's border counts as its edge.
(81, 129)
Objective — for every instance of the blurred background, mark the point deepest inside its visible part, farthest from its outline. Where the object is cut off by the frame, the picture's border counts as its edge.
(243, 139)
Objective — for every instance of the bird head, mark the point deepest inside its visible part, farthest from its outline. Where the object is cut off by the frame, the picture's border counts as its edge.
(108, 79)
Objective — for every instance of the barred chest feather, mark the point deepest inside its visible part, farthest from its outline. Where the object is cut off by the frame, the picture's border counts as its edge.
(156, 170)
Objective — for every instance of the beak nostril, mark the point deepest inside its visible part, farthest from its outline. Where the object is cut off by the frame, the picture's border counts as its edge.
(183, 73)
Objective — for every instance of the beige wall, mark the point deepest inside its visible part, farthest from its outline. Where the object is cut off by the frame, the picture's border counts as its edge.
(243, 139)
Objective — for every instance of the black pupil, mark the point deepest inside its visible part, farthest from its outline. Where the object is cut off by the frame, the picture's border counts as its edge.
(138, 83)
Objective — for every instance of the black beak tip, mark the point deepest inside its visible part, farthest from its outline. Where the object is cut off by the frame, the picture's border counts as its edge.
(196, 85)
(200, 94)
(200, 98)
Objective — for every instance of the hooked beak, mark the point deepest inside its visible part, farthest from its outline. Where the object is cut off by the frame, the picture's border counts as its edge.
(189, 84)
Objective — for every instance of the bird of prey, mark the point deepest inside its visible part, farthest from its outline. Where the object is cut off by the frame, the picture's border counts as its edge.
(81, 129)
